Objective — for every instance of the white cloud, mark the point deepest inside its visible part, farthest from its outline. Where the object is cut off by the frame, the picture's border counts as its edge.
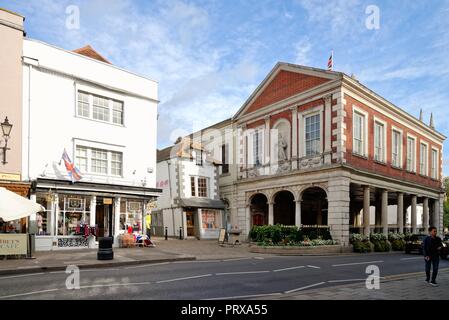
(302, 51)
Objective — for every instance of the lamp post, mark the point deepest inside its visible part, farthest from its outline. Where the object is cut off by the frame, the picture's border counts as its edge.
(6, 128)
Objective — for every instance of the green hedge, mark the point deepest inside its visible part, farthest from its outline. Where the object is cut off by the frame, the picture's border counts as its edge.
(362, 246)
(398, 245)
(280, 234)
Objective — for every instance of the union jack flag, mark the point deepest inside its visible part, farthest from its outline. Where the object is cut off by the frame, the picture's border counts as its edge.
(330, 62)
(73, 172)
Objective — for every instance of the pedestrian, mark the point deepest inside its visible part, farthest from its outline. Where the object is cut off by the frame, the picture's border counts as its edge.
(431, 249)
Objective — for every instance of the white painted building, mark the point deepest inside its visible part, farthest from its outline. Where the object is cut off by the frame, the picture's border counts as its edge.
(190, 203)
(106, 119)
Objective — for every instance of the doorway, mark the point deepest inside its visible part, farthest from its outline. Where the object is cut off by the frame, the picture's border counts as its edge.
(103, 218)
(190, 219)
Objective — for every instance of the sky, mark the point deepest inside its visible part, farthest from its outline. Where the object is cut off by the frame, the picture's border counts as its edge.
(209, 56)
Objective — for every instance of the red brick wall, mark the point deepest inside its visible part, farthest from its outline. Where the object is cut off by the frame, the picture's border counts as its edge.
(286, 114)
(387, 169)
(255, 124)
(284, 85)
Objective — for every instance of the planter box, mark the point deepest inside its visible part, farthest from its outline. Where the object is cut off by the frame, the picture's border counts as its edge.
(297, 250)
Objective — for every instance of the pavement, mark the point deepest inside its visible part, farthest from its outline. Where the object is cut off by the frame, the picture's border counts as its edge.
(409, 286)
(249, 275)
(165, 251)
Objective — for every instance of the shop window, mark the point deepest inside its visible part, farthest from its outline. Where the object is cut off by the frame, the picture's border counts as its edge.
(73, 213)
(210, 219)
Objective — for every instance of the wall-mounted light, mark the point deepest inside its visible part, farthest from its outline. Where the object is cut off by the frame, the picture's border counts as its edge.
(6, 128)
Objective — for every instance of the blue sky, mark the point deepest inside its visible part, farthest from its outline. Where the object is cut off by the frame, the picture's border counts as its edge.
(209, 56)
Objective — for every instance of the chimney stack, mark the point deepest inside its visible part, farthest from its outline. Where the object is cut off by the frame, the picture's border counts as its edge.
(431, 121)
(420, 115)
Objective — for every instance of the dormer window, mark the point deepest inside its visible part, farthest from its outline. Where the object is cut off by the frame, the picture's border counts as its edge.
(199, 157)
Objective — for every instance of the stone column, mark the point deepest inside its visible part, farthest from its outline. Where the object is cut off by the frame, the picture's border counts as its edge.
(298, 213)
(327, 129)
(270, 212)
(413, 219)
(425, 214)
(384, 215)
(248, 219)
(338, 208)
(117, 221)
(435, 212)
(294, 137)
(93, 207)
(400, 212)
(366, 203)
(54, 215)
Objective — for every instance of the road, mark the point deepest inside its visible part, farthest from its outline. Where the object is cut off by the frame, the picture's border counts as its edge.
(213, 279)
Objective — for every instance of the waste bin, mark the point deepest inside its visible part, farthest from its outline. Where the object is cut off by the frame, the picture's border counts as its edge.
(105, 248)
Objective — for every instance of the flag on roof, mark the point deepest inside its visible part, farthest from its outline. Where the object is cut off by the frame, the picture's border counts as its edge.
(330, 62)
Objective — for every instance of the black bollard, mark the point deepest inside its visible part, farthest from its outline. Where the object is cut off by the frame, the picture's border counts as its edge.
(166, 233)
(180, 234)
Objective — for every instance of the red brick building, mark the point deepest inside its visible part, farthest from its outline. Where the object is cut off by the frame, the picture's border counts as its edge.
(317, 147)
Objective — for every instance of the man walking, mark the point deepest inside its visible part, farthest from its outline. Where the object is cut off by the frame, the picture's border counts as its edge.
(431, 249)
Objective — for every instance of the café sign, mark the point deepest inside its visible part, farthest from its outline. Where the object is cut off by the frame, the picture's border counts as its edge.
(11, 244)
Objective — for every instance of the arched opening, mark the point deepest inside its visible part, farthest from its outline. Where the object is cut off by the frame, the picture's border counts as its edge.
(314, 207)
(259, 210)
(284, 208)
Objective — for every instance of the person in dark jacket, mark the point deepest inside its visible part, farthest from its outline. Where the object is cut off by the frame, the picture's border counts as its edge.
(431, 249)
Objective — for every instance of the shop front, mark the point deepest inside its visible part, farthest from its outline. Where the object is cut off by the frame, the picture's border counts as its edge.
(77, 214)
(204, 217)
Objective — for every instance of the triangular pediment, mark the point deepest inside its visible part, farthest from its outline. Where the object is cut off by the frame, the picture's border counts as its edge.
(284, 81)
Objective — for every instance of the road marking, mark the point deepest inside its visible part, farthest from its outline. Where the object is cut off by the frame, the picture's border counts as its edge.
(314, 267)
(306, 287)
(186, 278)
(22, 275)
(414, 258)
(115, 285)
(98, 270)
(54, 272)
(236, 259)
(240, 272)
(147, 265)
(27, 293)
(248, 296)
(259, 258)
(27, 267)
(356, 263)
(285, 269)
(346, 280)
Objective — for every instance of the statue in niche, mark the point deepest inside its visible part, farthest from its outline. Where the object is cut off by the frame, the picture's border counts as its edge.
(282, 148)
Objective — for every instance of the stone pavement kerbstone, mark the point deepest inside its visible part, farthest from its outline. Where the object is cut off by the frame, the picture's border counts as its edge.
(164, 251)
(409, 287)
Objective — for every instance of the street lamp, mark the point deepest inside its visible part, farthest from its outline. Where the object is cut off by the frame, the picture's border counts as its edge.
(6, 128)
